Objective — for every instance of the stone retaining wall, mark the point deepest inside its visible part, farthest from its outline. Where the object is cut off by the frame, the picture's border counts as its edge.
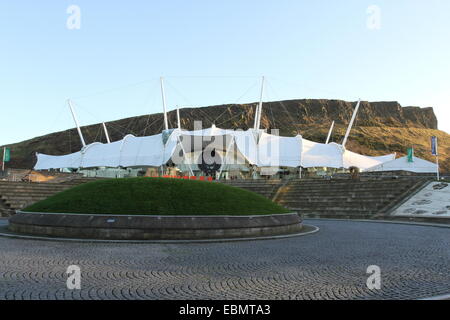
(140, 227)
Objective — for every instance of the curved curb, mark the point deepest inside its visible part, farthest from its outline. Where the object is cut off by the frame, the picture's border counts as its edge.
(29, 237)
(440, 297)
(412, 223)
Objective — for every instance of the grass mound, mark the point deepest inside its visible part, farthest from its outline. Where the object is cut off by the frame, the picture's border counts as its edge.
(157, 196)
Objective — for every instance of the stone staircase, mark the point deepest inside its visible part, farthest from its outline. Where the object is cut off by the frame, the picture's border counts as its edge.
(266, 188)
(342, 199)
(17, 195)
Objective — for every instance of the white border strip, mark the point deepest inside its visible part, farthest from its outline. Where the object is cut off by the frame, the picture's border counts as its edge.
(413, 223)
(160, 216)
(440, 297)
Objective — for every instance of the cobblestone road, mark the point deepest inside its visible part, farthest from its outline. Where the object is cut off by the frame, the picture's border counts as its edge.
(331, 264)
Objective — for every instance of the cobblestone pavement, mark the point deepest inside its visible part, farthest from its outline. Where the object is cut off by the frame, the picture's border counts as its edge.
(330, 264)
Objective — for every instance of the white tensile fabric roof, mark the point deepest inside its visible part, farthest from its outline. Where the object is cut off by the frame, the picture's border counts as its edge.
(352, 159)
(131, 151)
(276, 151)
(45, 162)
(418, 165)
(321, 155)
(156, 150)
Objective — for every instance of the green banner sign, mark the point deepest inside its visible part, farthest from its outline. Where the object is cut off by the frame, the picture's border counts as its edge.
(410, 154)
(6, 155)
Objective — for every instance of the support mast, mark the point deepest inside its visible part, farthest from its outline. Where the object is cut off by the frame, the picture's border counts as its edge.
(351, 123)
(256, 117)
(178, 119)
(329, 133)
(76, 122)
(106, 132)
(166, 125)
(258, 123)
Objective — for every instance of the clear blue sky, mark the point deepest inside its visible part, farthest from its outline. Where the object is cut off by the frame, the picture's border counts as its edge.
(213, 52)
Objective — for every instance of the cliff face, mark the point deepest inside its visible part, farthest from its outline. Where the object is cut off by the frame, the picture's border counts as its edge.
(380, 127)
(389, 114)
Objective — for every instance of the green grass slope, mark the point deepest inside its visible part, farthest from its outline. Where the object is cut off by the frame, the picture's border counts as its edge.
(157, 196)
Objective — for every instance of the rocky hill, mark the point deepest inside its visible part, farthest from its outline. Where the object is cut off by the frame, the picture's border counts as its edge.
(380, 127)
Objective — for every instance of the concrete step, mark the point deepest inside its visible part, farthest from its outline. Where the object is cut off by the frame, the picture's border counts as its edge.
(251, 181)
(31, 185)
(337, 195)
(23, 190)
(31, 190)
(344, 197)
(17, 195)
(333, 208)
(26, 183)
(348, 186)
(337, 215)
(264, 192)
(340, 181)
(11, 199)
(348, 198)
(341, 199)
(348, 211)
(13, 202)
(26, 195)
(342, 188)
(334, 201)
(255, 188)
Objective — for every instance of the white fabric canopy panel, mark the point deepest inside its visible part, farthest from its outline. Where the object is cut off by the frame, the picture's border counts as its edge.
(276, 151)
(246, 144)
(142, 151)
(45, 162)
(270, 151)
(101, 155)
(353, 159)
(321, 155)
(181, 141)
(401, 164)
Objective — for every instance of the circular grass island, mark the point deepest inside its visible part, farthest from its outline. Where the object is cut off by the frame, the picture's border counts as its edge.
(155, 209)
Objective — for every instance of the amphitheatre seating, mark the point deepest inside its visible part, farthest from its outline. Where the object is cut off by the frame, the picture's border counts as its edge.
(338, 198)
(17, 195)
(266, 188)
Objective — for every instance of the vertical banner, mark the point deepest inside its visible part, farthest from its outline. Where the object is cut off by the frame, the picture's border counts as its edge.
(434, 152)
(410, 154)
(434, 149)
(7, 155)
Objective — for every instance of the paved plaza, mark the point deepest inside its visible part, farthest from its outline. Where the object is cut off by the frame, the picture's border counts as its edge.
(331, 264)
(433, 201)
